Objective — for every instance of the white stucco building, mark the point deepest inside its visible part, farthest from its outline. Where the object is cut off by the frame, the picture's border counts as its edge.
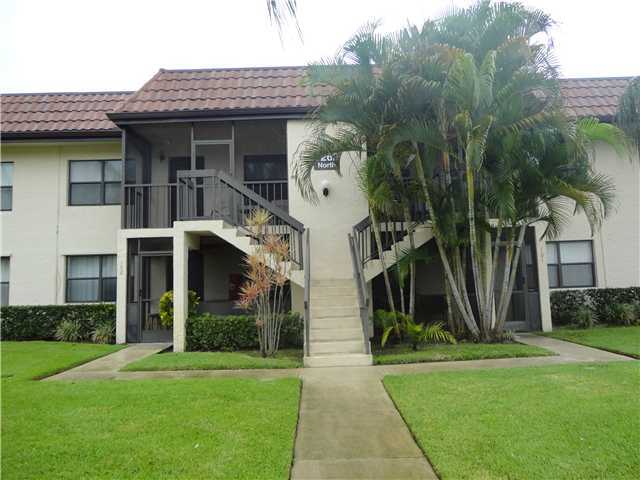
(121, 196)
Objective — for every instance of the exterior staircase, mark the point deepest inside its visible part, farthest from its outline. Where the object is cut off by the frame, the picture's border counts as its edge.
(336, 337)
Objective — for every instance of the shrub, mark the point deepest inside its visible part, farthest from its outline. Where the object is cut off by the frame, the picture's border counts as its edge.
(389, 323)
(566, 304)
(69, 331)
(584, 317)
(622, 314)
(166, 306)
(40, 322)
(208, 332)
(104, 333)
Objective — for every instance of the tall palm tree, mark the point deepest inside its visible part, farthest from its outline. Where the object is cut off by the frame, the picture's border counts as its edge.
(628, 115)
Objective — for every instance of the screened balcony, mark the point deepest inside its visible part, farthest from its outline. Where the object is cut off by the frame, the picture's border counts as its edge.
(252, 152)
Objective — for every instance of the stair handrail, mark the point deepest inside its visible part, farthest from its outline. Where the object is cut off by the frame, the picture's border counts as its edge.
(185, 180)
(363, 298)
(306, 255)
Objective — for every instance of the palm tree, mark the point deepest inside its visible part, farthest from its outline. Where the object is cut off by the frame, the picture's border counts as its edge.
(283, 11)
(628, 116)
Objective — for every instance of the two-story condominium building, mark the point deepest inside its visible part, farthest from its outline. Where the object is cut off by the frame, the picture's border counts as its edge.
(122, 196)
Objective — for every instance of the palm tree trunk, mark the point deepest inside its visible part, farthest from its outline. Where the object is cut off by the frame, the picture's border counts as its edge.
(385, 274)
(467, 315)
(473, 246)
(396, 252)
(504, 307)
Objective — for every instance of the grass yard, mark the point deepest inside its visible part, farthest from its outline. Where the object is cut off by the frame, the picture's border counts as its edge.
(461, 351)
(624, 340)
(216, 361)
(562, 422)
(221, 428)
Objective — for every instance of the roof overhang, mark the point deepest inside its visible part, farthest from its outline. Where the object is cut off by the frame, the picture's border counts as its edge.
(84, 135)
(128, 118)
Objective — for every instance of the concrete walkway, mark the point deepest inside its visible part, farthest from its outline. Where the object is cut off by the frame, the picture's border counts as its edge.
(348, 427)
(111, 363)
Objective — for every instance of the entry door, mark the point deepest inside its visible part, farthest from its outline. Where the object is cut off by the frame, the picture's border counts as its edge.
(524, 310)
(156, 279)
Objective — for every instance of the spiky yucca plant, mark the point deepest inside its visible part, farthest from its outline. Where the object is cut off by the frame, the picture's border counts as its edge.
(267, 270)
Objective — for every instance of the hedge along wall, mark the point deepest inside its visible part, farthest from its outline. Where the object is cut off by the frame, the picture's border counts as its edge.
(565, 303)
(39, 322)
(208, 332)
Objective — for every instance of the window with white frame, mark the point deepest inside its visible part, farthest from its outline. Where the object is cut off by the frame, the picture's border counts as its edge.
(5, 268)
(570, 264)
(6, 186)
(95, 182)
(91, 278)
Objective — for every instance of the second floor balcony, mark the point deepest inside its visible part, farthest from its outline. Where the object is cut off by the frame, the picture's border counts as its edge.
(173, 171)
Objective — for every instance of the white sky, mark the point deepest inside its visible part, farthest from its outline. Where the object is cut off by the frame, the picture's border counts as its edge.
(86, 45)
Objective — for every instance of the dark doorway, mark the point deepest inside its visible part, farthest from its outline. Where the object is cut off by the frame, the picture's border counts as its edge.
(150, 275)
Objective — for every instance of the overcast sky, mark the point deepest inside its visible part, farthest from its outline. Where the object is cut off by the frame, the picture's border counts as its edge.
(86, 45)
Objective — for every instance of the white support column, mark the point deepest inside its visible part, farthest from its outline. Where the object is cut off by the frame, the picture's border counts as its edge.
(297, 298)
(543, 278)
(121, 289)
(182, 243)
(180, 295)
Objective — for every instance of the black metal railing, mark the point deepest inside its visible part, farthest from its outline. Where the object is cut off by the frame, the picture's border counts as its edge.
(215, 195)
(275, 191)
(391, 230)
(363, 297)
(307, 291)
(150, 205)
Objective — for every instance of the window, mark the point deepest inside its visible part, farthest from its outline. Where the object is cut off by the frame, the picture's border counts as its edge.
(4, 281)
(570, 264)
(91, 278)
(265, 167)
(6, 186)
(95, 182)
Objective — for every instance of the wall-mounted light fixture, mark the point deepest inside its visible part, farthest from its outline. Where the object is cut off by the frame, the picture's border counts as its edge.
(325, 188)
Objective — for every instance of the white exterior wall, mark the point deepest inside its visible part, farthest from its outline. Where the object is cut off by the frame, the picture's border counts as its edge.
(42, 228)
(616, 246)
(333, 217)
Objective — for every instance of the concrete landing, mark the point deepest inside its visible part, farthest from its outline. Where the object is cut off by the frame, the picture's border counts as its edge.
(350, 429)
(110, 364)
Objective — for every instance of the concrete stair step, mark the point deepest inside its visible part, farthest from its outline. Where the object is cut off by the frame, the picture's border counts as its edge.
(348, 360)
(335, 322)
(333, 282)
(328, 334)
(334, 311)
(334, 301)
(330, 291)
(337, 347)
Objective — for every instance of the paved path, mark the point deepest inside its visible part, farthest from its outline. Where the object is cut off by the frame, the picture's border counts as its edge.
(110, 363)
(348, 427)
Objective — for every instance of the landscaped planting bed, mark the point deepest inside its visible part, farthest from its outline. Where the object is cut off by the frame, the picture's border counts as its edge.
(188, 428)
(216, 361)
(560, 422)
(461, 351)
(624, 340)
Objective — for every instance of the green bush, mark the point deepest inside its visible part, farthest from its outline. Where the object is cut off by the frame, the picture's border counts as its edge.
(104, 333)
(625, 314)
(69, 331)
(566, 305)
(584, 317)
(208, 332)
(166, 306)
(40, 322)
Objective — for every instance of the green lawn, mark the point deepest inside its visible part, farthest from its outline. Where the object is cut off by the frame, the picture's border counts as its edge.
(214, 428)
(561, 422)
(625, 340)
(216, 361)
(461, 351)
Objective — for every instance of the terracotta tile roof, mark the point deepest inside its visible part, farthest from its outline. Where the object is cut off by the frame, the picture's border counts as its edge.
(267, 89)
(592, 97)
(222, 91)
(36, 114)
